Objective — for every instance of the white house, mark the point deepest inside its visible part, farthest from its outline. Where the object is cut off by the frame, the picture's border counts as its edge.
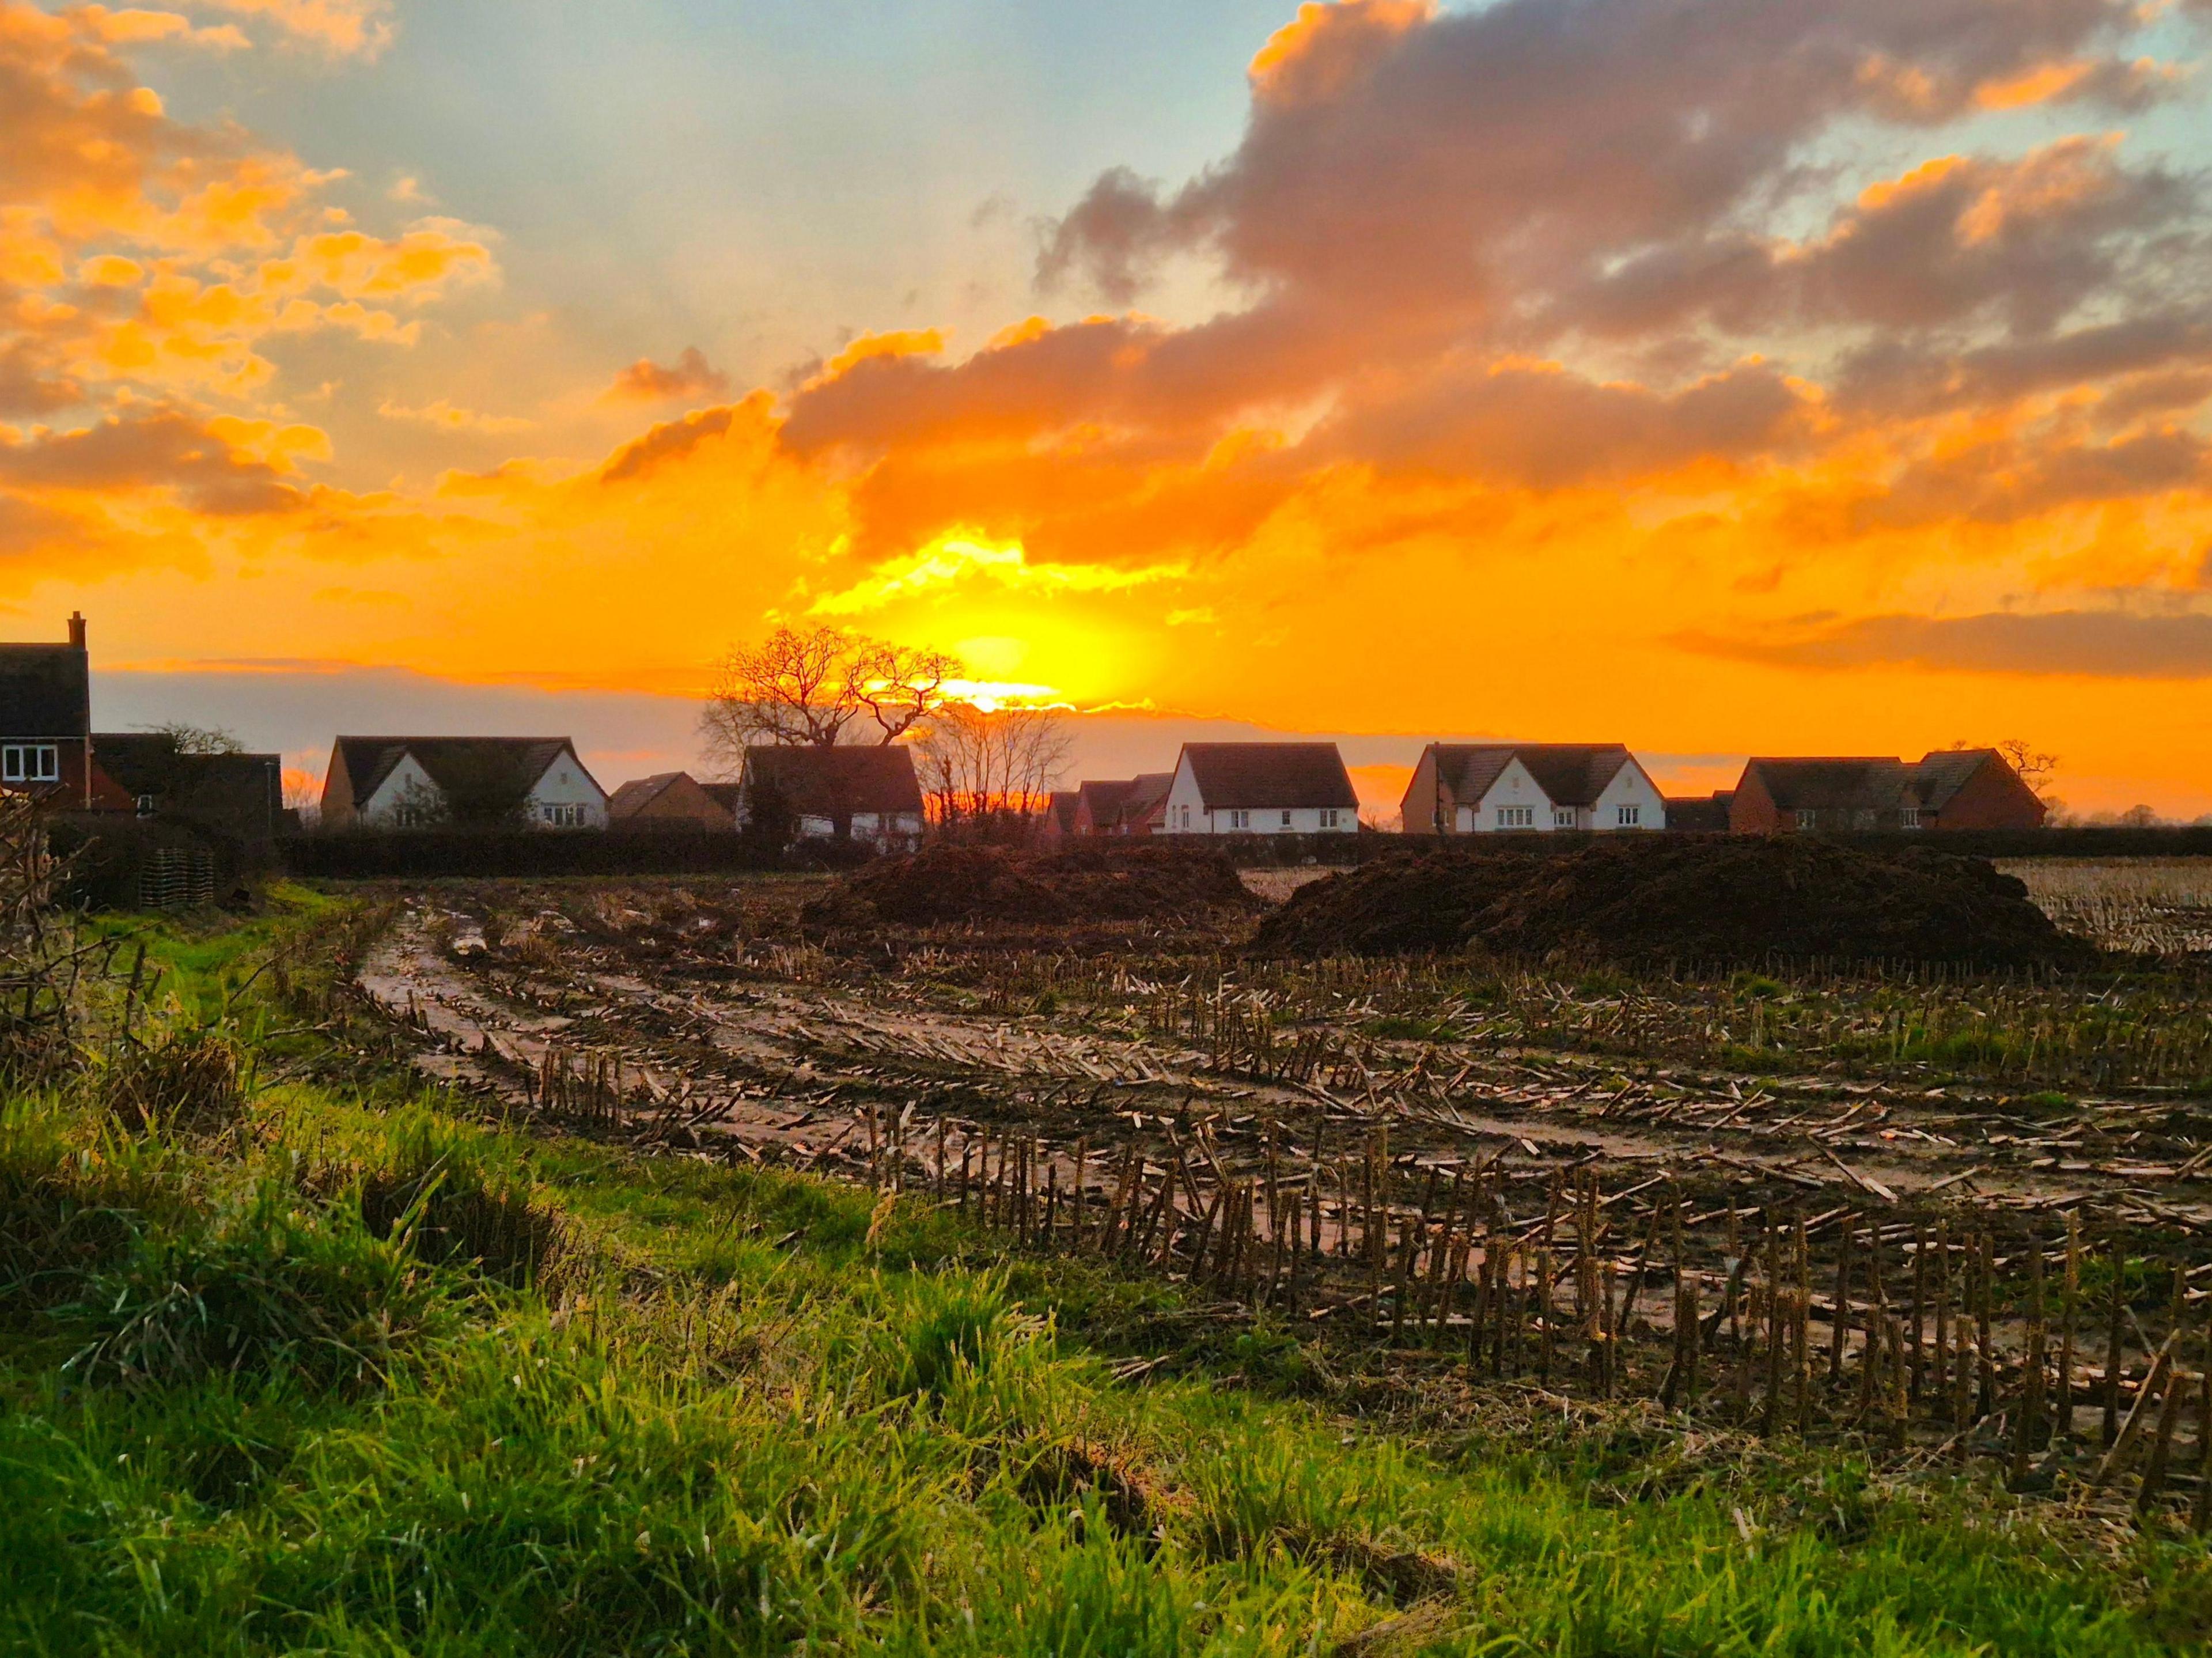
(422, 782)
(866, 792)
(1488, 788)
(1260, 788)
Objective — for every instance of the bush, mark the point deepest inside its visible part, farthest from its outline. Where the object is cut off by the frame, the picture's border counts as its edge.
(186, 1085)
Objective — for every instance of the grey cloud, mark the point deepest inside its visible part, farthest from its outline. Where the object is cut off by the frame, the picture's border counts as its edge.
(2102, 644)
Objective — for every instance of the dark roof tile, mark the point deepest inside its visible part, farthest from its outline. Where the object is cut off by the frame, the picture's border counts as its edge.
(1243, 775)
(823, 782)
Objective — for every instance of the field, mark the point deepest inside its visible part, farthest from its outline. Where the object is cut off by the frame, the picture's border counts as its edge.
(710, 1277)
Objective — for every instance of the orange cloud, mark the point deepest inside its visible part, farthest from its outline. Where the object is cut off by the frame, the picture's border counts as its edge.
(341, 27)
(647, 381)
(1539, 406)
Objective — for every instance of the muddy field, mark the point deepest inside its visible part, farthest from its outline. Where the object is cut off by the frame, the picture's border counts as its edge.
(1877, 1198)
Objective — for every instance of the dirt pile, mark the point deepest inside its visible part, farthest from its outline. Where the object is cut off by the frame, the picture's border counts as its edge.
(954, 883)
(1654, 898)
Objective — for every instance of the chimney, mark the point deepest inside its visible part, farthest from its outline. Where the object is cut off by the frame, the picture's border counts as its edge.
(76, 628)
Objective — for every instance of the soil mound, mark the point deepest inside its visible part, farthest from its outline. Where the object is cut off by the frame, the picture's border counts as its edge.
(1647, 898)
(955, 883)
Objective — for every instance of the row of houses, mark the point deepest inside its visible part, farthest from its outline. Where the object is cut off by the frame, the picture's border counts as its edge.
(1494, 788)
(872, 794)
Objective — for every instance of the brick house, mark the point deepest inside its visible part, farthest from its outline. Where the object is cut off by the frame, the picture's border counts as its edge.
(1953, 789)
(45, 723)
(668, 799)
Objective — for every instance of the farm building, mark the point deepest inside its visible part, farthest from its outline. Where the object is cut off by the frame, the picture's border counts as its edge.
(1259, 788)
(424, 782)
(869, 794)
(668, 799)
(1487, 788)
(1952, 788)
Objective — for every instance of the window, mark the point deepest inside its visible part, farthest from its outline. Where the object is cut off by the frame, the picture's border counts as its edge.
(1286, 819)
(1863, 818)
(1908, 817)
(1628, 816)
(1186, 817)
(1240, 820)
(1517, 817)
(30, 763)
(147, 806)
(1328, 819)
(569, 815)
(1563, 816)
(1807, 817)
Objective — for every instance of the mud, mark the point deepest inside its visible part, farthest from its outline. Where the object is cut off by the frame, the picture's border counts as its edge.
(952, 884)
(1739, 901)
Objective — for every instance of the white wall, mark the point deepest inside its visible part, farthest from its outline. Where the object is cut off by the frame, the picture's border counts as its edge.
(1630, 787)
(407, 784)
(1514, 786)
(566, 783)
(1186, 814)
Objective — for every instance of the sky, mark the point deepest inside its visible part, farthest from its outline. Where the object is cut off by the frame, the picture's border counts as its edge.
(1709, 375)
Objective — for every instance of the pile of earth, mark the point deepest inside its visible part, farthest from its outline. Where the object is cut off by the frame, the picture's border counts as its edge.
(1740, 900)
(957, 883)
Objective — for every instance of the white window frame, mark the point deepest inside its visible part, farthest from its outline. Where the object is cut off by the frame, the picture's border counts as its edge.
(1628, 816)
(1908, 817)
(561, 814)
(1328, 817)
(1286, 817)
(1510, 817)
(1807, 817)
(31, 762)
(1563, 816)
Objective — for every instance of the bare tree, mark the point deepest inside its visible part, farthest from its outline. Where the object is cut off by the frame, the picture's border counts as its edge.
(198, 739)
(2034, 767)
(818, 690)
(989, 776)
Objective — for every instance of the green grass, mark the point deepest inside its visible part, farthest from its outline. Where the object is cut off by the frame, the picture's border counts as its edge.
(367, 1378)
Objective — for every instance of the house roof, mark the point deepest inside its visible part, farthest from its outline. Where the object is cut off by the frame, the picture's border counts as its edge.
(243, 793)
(1104, 797)
(1700, 813)
(1059, 810)
(455, 764)
(1858, 783)
(1942, 774)
(641, 792)
(826, 782)
(1148, 794)
(1570, 774)
(45, 691)
(1246, 774)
